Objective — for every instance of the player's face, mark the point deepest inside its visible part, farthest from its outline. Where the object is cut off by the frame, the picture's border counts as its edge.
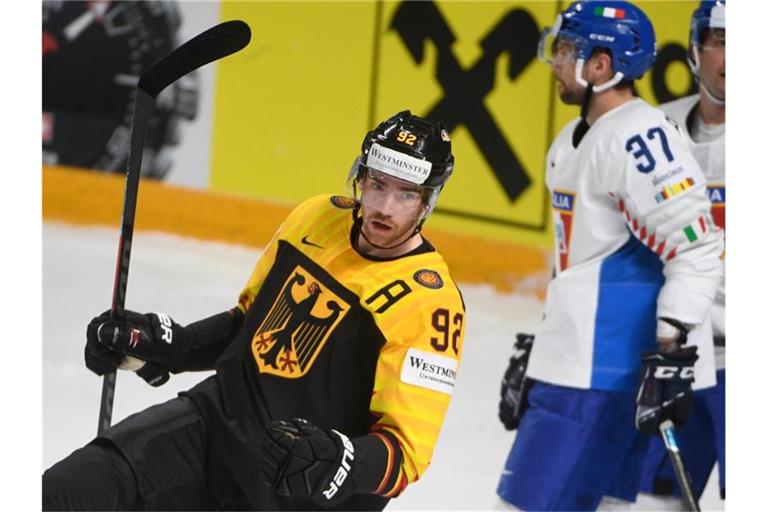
(564, 69)
(712, 62)
(390, 208)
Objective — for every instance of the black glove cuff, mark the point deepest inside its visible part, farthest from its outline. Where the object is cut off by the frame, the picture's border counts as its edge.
(153, 374)
(379, 464)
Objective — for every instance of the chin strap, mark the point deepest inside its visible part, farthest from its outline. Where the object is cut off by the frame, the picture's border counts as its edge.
(617, 77)
(591, 89)
(586, 101)
(720, 102)
(693, 63)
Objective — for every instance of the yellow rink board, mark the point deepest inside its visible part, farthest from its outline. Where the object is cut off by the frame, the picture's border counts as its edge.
(292, 108)
(86, 197)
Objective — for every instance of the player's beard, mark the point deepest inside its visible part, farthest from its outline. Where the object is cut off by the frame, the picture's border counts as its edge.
(385, 231)
(571, 94)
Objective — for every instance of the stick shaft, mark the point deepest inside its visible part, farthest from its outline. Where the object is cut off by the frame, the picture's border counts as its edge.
(213, 44)
(669, 436)
(141, 113)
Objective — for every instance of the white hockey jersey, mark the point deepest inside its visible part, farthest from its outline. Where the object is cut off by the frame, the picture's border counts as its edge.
(711, 158)
(634, 240)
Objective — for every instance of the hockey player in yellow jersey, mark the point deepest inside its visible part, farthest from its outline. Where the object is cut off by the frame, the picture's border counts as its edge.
(333, 372)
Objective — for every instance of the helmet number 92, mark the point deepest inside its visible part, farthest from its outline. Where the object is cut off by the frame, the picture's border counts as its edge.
(638, 148)
(407, 137)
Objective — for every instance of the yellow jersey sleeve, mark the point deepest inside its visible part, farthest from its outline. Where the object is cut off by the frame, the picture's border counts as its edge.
(417, 367)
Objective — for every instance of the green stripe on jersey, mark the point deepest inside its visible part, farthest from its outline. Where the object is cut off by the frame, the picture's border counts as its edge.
(690, 233)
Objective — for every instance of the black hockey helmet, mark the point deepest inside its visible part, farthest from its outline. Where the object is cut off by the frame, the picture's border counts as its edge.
(409, 148)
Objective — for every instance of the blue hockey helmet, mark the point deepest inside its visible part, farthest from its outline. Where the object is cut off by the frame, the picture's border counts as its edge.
(709, 14)
(619, 27)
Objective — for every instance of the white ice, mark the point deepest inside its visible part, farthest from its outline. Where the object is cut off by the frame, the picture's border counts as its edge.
(189, 280)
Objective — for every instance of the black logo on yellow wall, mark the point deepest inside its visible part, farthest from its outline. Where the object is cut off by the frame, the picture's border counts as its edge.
(463, 90)
(297, 326)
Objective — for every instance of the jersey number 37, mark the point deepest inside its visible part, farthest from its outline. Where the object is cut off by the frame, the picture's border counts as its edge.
(640, 149)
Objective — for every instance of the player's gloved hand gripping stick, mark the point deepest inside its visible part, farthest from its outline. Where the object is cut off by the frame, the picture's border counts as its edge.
(665, 399)
(213, 44)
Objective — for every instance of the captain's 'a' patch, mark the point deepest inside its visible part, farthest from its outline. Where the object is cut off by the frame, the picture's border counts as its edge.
(297, 326)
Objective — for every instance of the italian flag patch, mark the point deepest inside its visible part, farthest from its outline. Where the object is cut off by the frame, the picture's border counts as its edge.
(610, 12)
(695, 230)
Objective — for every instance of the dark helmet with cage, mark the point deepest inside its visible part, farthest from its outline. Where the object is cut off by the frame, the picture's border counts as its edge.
(411, 149)
(619, 27)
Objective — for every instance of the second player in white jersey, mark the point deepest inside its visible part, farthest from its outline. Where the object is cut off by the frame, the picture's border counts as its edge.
(707, 144)
(701, 120)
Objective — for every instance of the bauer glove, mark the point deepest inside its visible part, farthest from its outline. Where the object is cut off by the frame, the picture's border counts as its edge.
(148, 344)
(515, 385)
(304, 461)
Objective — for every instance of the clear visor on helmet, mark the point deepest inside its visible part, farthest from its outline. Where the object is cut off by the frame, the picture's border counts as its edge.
(388, 195)
(713, 40)
(556, 47)
(561, 49)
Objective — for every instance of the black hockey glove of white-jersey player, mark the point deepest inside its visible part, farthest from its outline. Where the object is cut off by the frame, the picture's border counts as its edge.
(665, 389)
(153, 338)
(515, 385)
(304, 461)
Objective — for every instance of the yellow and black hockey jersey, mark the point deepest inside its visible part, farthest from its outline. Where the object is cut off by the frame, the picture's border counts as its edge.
(346, 341)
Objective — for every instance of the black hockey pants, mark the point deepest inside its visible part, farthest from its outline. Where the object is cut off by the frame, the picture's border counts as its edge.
(154, 460)
(95, 477)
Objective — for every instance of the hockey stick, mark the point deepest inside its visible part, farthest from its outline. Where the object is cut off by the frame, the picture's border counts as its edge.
(213, 44)
(667, 430)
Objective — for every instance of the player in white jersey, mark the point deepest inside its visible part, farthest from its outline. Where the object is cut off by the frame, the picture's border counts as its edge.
(637, 265)
(701, 119)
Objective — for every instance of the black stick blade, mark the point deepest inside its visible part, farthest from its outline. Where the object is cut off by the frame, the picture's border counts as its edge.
(213, 44)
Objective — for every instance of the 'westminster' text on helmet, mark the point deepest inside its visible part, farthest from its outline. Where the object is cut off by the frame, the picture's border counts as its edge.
(409, 148)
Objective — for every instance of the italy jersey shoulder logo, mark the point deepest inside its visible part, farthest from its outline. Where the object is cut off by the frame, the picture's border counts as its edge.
(563, 203)
(297, 326)
(716, 195)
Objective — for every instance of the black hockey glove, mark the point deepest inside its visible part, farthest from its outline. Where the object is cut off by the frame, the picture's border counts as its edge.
(515, 385)
(154, 339)
(304, 461)
(665, 389)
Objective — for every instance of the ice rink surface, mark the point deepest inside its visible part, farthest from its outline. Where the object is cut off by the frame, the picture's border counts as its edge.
(190, 280)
